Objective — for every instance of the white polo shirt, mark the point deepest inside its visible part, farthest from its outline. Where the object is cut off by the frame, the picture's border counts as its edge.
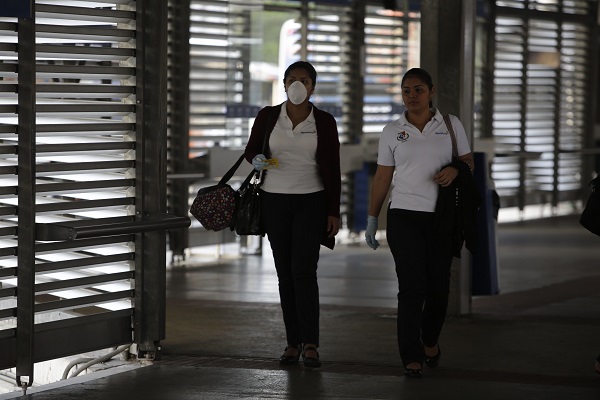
(417, 157)
(295, 150)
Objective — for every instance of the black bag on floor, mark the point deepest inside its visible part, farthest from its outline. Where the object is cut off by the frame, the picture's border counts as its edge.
(590, 217)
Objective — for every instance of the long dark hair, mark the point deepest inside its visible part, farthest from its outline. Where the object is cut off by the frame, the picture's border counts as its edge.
(422, 75)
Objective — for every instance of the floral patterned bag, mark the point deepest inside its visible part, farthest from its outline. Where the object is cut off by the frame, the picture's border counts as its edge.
(214, 206)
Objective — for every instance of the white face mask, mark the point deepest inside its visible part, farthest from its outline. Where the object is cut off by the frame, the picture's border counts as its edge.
(297, 92)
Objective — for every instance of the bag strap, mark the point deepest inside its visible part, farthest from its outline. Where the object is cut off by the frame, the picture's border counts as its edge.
(452, 136)
(232, 170)
(595, 183)
(248, 179)
(268, 131)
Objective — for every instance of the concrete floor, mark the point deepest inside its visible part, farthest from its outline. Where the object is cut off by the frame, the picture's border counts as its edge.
(536, 340)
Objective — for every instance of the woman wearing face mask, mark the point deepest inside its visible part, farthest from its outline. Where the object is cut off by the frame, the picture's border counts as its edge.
(300, 202)
(415, 153)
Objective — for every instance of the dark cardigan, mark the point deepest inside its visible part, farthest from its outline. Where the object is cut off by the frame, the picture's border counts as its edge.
(455, 210)
(327, 155)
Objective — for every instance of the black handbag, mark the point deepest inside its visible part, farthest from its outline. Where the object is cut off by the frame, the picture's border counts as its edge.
(248, 217)
(248, 220)
(590, 217)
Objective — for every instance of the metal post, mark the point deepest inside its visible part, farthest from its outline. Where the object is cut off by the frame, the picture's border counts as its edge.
(354, 100)
(151, 172)
(447, 46)
(26, 201)
(179, 122)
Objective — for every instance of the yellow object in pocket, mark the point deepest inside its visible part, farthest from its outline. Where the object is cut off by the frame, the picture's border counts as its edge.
(273, 163)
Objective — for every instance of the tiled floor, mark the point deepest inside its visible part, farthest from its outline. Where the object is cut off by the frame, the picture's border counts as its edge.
(536, 340)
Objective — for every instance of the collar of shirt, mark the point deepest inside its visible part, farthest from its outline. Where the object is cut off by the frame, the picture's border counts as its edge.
(438, 117)
(285, 123)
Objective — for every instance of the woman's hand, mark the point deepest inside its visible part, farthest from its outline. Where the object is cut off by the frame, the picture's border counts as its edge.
(333, 226)
(372, 224)
(446, 176)
(259, 162)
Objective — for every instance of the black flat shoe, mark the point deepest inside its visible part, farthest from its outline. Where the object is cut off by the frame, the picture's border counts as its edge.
(434, 361)
(413, 372)
(285, 360)
(311, 362)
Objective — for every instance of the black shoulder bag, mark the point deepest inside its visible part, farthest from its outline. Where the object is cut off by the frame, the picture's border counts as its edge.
(248, 220)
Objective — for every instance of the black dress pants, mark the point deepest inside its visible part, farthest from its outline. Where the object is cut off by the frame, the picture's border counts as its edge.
(295, 225)
(423, 264)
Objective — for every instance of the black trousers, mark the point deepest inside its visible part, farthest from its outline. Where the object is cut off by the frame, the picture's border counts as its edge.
(423, 265)
(295, 224)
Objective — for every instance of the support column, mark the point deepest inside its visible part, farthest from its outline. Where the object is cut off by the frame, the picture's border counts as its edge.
(447, 53)
(151, 173)
(353, 104)
(25, 331)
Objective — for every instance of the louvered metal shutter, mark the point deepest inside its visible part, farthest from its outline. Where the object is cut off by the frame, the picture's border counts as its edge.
(220, 108)
(540, 76)
(323, 45)
(392, 46)
(71, 161)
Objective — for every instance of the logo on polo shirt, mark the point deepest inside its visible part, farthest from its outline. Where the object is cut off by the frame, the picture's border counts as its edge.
(402, 136)
(311, 132)
(442, 133)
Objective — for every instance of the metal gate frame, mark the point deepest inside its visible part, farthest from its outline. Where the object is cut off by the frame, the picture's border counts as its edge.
(144, 325)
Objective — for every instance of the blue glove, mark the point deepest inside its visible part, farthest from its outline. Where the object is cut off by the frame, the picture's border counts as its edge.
(259, 163)
(372, 223)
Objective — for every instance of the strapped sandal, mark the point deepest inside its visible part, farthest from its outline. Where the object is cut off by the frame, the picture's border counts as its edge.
(434, 361)
(413, 372)
(285, 360)
(311, 362)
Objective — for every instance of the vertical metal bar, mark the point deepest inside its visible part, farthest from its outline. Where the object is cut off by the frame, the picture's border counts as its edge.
(556, 140)
(151, 160)
(26, 200)
(467, 70)
(592, 110)
(303, 19)
(354, 70)
(446, 54)
(430, 21)
(522, 193)
(179, 121)
(488, 94)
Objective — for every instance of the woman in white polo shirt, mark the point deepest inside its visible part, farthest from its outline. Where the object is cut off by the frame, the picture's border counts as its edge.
(414, 155)
(300, 202)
